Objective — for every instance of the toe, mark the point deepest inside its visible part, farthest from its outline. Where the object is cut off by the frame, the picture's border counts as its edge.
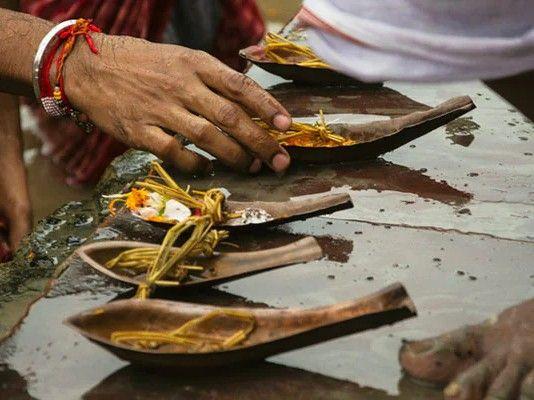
(527, 387)
(506, 384)
(439, 360)
(473, 383)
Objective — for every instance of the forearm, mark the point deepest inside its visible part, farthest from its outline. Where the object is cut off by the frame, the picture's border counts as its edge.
(15, 207)
(20, 35)
(136, 91)
(11, 162)
(9, 121)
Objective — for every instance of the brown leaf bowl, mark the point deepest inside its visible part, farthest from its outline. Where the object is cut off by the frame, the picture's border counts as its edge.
(221, 268)
(296, 73)
(290, 210)
(276, 331)
(282, 212)
(379, 137)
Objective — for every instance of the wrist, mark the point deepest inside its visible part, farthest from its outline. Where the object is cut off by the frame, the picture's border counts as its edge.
(80, 73)
(49, 68)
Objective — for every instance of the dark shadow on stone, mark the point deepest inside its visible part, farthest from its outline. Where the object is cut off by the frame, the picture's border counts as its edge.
(261, 381)
(382, 175)
(12, 385)
(305, 101)
(208, 296)
(460, 131)
(310, 179)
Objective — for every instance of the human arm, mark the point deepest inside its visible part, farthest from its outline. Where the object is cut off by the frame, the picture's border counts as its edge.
(15, 207)
(135, 91)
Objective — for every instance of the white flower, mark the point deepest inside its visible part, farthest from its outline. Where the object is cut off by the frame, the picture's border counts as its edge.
(176, 211)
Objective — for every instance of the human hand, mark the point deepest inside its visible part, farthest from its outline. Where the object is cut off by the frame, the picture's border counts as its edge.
(5, 252)
(15, 214)
(15, 206)
(136, 91)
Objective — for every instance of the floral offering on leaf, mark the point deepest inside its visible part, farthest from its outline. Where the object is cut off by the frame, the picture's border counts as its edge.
(193, 214)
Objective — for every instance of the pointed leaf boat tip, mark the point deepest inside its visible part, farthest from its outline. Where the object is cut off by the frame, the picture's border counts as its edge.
(276, 330)
(285, 211)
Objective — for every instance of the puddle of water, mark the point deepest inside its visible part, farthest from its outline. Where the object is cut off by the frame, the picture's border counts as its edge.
(56, 363)
(389, 207)
(46, 181)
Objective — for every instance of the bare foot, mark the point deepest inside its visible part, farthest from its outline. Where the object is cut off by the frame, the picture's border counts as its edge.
(490, 361)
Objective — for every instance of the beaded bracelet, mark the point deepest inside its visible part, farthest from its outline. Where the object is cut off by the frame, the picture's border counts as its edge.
(52, 96)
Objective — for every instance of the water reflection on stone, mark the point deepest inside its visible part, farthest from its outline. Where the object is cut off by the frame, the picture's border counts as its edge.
(461, 131)
(12, 385)
(263, 381)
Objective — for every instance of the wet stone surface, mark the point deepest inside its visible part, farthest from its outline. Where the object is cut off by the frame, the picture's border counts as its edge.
(409, 224)
(23, 280)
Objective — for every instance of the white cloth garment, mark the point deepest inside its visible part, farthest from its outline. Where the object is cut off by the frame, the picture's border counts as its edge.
(423, 40)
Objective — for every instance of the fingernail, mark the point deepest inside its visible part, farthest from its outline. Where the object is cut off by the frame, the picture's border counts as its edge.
(282, 122)
(255, 166)
(419, 347)
(453, 390)
(280, 162)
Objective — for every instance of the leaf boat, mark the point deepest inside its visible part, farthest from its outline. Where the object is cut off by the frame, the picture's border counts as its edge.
(276, 330)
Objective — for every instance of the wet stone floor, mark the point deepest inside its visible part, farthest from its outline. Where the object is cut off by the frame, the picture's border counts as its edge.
(450, 215)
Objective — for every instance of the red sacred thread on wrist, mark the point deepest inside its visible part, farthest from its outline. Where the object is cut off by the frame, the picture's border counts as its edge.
(67, 37)
(50, 90)
(52, 94)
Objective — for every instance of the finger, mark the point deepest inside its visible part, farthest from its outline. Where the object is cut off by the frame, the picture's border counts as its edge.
(527, 387)
(17, 231)
(472, 383)
(232, 119)
(20, 224)
(438, 360)
(210, 138)
(506, 384)
(243, 90)
(170, 150)
(5, 252)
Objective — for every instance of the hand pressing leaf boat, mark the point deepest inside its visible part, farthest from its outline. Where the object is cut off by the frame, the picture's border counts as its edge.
(158, 198)
(292, 59)
(168, 333)
(338, 142)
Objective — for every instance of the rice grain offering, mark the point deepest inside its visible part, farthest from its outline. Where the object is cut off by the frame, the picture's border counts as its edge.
(284, 51)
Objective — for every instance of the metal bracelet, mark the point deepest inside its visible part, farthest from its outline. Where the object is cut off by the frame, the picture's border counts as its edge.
(51, 106)
(42, 51)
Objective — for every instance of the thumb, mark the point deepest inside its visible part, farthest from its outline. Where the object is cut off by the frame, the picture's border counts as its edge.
(5, 253)
(20, 224)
